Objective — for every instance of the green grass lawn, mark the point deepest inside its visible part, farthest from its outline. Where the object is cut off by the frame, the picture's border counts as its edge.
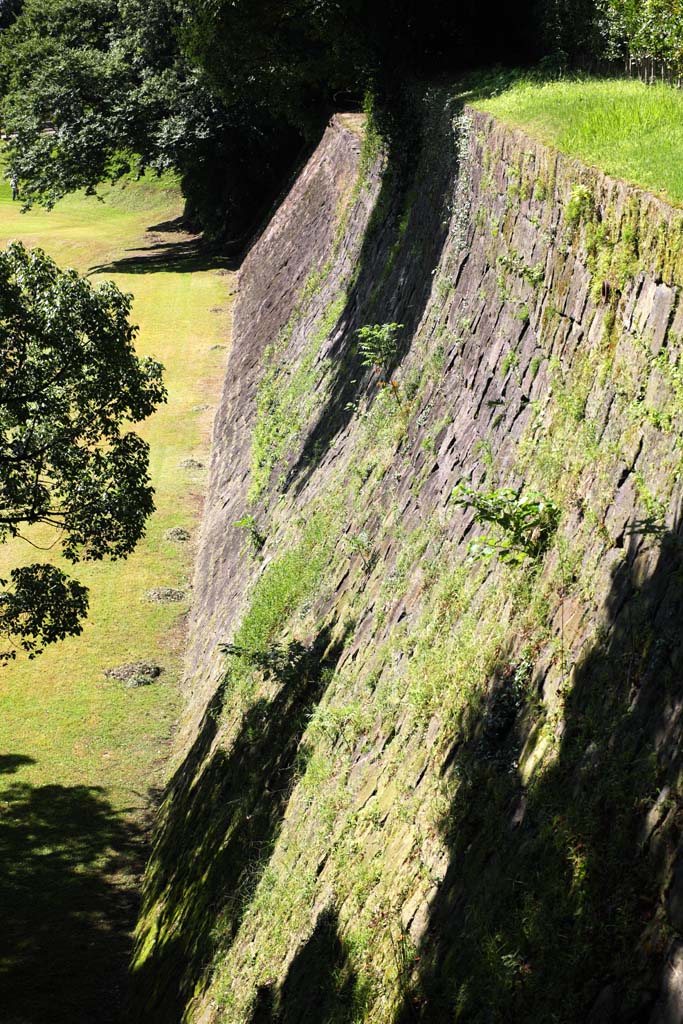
(79, 754)
(630, 130)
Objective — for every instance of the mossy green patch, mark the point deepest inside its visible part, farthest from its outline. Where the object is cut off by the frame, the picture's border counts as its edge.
(287, 395)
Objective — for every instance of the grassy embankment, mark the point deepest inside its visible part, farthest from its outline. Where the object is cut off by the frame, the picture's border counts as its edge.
(79, 753)
(630, 130)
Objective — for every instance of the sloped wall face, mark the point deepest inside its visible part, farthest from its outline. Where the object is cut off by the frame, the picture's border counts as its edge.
(436, 775)
(321, 220)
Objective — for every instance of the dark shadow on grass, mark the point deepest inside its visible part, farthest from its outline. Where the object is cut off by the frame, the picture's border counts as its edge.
(563, 901)
(221, 819)
(321, 985)
(179, 225)
(11, 763)
(184, 257)
(65, 938)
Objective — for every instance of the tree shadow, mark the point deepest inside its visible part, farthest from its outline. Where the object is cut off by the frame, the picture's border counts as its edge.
(321, 984)
(556, 905)
(11, 763)
(67, 914)
(222, 815)
(188, 256)
(178, 225)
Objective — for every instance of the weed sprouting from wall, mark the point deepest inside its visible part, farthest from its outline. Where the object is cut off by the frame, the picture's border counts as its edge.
(372, 146)
(526, 522)
(378, 345)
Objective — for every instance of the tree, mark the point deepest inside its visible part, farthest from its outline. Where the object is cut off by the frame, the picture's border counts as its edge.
(92, 90)
(69, 382)
(569, 32)
(295, 59)
(225, 91)
(646, 34)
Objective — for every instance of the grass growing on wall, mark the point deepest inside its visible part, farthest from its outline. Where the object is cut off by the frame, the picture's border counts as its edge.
(628, 129)
(286, 398)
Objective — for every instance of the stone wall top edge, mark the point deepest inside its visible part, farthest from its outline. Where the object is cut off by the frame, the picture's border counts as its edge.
(338, 132)
(571, 167)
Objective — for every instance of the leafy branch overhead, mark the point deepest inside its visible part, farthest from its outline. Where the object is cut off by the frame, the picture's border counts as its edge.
(226, 92)
(69, 382)
(525, 522)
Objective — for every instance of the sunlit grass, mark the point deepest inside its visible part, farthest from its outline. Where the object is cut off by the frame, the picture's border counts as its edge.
(78, 727)
(630, 130)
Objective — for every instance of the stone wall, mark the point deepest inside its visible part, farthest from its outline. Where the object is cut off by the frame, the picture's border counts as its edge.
(298, 239)
(425, 785)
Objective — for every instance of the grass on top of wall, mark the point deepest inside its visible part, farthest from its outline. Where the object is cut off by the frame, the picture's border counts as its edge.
(630, 130)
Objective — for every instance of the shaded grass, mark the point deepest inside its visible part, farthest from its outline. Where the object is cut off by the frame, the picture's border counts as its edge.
(630, 130)
(64, 853)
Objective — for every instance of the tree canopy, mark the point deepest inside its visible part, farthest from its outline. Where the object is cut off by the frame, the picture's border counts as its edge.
(69, 382)
(227, 92)
(648, 34)
(224, 92)
(9, 9)
(94, 89)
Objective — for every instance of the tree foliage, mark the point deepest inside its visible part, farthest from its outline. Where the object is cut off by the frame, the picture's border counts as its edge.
(226, 92)
(569, 33)
(644, 36)
(647, 34)
(295, 58)
(94, 89)
(9, 9)
(69, 382)
(223, 91)
(275, 59)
